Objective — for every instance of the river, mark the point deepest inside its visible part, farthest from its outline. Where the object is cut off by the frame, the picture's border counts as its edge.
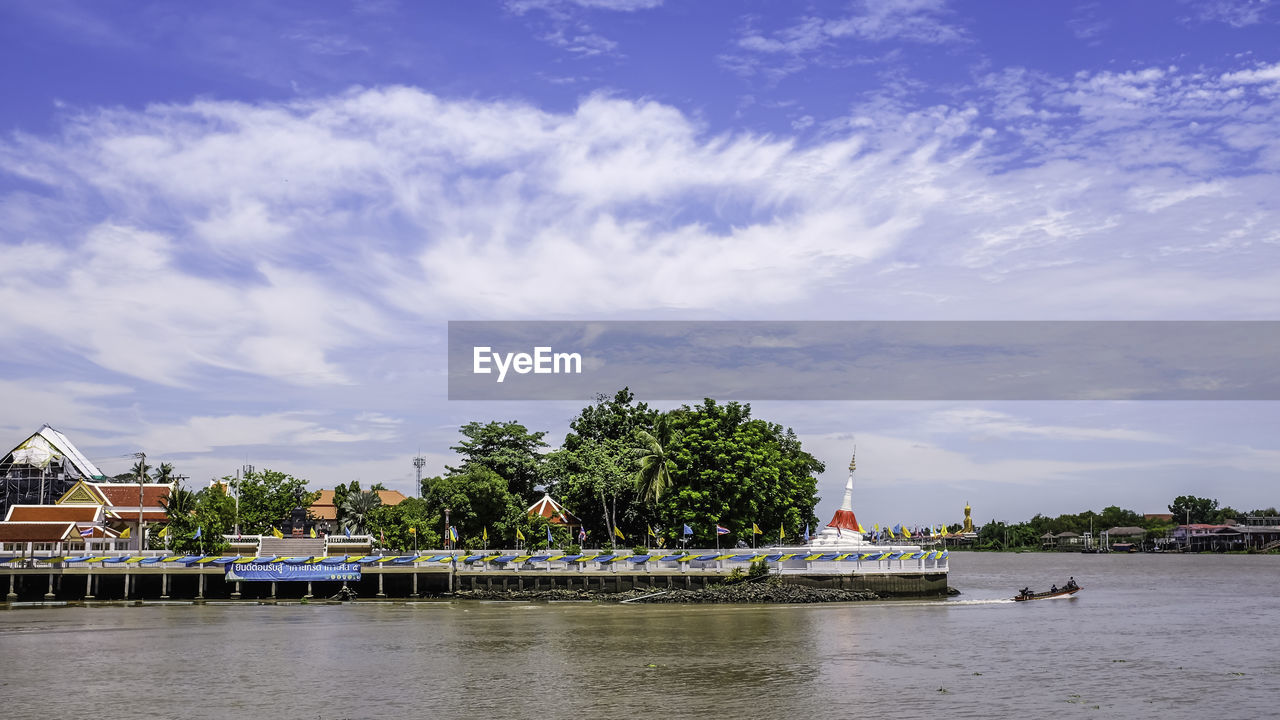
(1173, 636)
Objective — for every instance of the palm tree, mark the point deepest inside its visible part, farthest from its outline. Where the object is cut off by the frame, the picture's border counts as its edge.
(163, 474)
(654, 476)
(179, 503)
(356, 509)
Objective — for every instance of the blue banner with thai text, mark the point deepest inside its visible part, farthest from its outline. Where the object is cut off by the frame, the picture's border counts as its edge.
(283, 572)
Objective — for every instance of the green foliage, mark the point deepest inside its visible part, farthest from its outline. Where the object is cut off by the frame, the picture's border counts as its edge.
(1189, 508)
(267, 497)
(400, 523)
(721, 464)
(211, 510)
(759, 568)
(653, 478)
(356, 509)
(477, 498)
(735, 470)
(640, 550)
(508, 449)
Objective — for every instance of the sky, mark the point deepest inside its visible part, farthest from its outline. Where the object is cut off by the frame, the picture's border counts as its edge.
(234, 233)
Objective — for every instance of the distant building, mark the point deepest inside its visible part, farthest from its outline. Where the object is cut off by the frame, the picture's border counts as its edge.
(1201, 537)
(325, 512)
(41, 469)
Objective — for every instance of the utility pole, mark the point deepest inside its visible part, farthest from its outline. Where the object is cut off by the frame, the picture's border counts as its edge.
(418, 462)
(142, 469)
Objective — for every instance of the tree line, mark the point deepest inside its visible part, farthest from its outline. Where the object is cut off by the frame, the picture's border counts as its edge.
(632, 476)
(1184, 509)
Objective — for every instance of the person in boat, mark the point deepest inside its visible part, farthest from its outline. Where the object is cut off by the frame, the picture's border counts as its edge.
(1026, 592)
(1071, 583)
(1053, 589)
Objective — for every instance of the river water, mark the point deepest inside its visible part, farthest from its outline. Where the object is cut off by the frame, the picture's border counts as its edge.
(1174, 636)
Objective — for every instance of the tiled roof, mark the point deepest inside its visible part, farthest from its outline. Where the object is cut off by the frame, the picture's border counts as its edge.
(37, 531)
(53, 513)
(324, 509)
(127, 493)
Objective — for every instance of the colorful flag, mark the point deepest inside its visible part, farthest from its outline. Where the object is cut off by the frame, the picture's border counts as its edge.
(687, 530)
(125, 534)
(519, 535)
(164, 532)
(484, 534)
(582, 534)
(806, 532)
(755, 529)
(781, 531)
(199, 533)
(549, 540)
(888, 531)
(618, 532)
(346, 531)
(87, 532)
(860, 530)
(313, 532)
(650, 529)
(414, 531)
(722, 530)
(279, 534)
(453, 533)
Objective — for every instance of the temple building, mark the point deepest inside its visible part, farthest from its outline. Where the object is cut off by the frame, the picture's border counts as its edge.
(555, 514)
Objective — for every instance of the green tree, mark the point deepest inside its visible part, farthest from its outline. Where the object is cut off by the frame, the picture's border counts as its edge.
(211, 512)
(654, 476)
(267, 498)
(1189, 508)
(399, 524)
(508, 449)
(357, 510)
(593, 480)
(734, 470)
(478, 499)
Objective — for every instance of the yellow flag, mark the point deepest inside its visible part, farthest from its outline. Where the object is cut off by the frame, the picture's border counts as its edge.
(277, 533)
(413, 531)
(650, 527)
(485, 534)
(519, 535)
(755, 529)
(164, 532)
(618, 532)
(313, 531)
(782, 531)
(860, 528)
(125, 534)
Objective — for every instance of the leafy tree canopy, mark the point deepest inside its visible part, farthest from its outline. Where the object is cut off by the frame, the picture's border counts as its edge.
(506, 448)
(267, 497)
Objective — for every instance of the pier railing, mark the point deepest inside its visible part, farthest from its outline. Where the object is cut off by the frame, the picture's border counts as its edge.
(506, 561)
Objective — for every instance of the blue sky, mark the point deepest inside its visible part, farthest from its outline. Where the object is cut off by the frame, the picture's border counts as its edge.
(234, 232)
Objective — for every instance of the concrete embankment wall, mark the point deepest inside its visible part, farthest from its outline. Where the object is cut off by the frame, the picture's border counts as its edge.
(119, 584)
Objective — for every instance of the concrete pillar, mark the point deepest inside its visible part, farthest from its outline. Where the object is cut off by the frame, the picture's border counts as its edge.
(415, 585)
(88, 586)
(200, 586)
(273, 589)
(12, 595)
(235, 594)
(49, 595)
(164, 586)
(308, 596)
(126, 586)
(381, 594)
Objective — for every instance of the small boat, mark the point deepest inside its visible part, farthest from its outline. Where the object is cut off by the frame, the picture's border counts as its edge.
(1049, 595)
